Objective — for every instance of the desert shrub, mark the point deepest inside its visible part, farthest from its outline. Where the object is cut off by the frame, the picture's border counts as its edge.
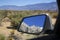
(54, 15)
(15, 19)
(3, 14)
(2, 37)
(16, 16)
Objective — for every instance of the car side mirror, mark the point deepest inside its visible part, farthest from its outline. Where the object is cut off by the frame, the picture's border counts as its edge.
(35, 24)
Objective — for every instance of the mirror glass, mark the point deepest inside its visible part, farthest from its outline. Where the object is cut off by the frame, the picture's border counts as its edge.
(33, 24)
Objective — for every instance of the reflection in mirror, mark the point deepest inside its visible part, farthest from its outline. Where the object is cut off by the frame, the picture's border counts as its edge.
(33, 24)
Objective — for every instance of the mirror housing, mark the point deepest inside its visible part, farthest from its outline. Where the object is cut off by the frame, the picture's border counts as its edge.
(47, 26)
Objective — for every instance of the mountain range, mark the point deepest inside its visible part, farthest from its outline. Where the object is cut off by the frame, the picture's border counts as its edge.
(38, 6)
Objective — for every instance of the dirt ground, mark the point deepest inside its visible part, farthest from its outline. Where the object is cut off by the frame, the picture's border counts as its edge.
(53, 21)
(6, 32)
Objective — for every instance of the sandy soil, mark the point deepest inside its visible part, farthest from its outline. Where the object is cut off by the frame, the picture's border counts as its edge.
(7, 32)
(53, 21)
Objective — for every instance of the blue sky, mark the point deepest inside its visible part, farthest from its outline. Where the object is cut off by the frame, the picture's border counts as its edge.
(23, 2)
(37, 21)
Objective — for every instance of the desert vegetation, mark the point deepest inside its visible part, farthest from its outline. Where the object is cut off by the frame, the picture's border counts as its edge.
(16, 16)
(2, 37)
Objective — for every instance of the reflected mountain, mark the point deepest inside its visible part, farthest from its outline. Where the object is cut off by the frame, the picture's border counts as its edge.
(31, 29)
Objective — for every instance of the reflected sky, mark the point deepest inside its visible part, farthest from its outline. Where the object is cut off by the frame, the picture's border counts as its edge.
(37, 21)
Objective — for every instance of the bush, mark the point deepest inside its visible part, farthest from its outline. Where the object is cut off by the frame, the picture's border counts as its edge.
(16, 16)
(2, 37)
(55, 15)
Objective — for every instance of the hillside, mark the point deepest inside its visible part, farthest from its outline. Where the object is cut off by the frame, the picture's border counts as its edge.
(39, 6)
